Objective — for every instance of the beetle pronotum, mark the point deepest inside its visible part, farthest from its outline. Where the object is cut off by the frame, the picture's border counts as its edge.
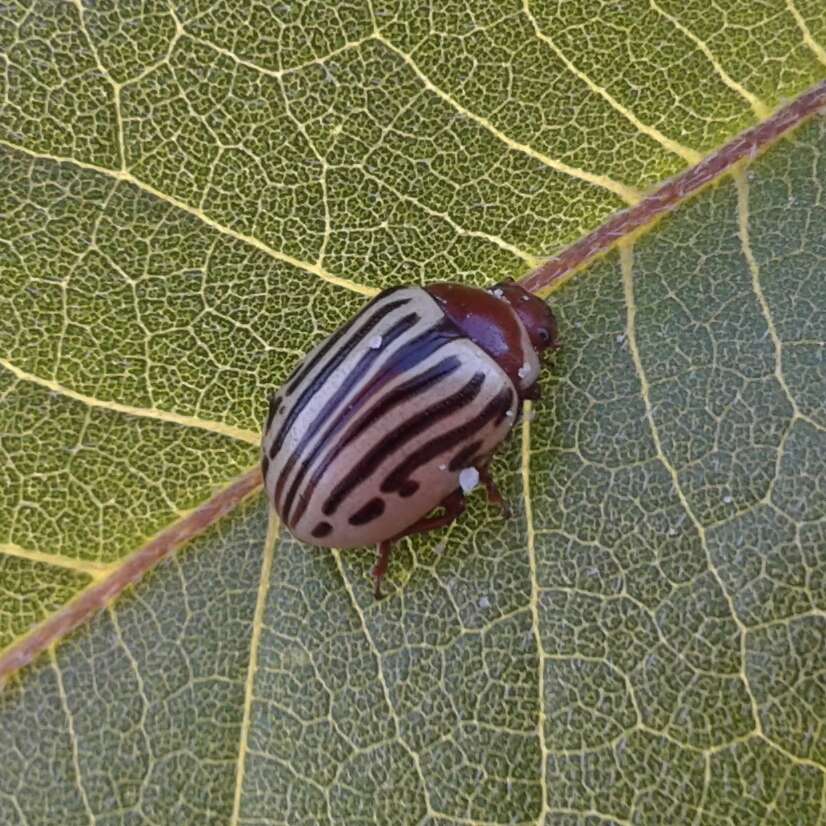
(374, 428)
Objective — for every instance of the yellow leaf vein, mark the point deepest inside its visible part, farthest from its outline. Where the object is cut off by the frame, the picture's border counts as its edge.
(249, 436)
(818, 50)
(627, 264)
(201, 215)
(761, 110)
(692, 156)
(624, 191)
(255, 643)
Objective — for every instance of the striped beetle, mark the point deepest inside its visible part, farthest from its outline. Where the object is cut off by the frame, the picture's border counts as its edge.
(399, 412)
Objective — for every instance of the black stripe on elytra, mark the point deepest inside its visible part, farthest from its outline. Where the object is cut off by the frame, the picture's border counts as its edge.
(322, 529)
(399, 477)
(274, 406)
(304, 371)
(321, 378)
(372, 510)
(334, 402)
(265, 466)
(403, 360)
(398, 438)
(399, 395)
(462, 459)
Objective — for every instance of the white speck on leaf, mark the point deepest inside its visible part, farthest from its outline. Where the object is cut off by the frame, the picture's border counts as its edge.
(439, 548)
(468, 479)
(484, 602)
(621, 338)
(727, 499)
(375, 343)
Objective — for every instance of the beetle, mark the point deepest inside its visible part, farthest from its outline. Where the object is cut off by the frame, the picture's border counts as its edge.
(394, 414)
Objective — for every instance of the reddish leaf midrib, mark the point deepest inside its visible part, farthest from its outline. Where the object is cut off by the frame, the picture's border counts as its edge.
(747, 144)
(98, 595)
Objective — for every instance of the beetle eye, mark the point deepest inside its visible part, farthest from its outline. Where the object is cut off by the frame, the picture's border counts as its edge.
(544, 336)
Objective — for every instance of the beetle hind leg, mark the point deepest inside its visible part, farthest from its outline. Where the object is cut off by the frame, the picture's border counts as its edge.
(453, 506)
(380, 569)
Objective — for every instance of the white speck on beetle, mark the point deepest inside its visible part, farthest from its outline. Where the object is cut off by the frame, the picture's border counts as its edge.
(499, 293)
(442, 467)
(509, 413)
(526, 298)
(374, 343)
(468, 479)
(484, 602)
(524, 370)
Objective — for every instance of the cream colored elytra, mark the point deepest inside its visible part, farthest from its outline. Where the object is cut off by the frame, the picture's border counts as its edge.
(374, 427)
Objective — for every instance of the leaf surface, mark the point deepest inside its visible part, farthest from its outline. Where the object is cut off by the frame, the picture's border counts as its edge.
(194, 194)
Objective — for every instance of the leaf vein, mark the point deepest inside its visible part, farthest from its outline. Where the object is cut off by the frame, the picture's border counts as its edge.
(626, 259)
(142, 412)
(96, 570)
(689, 155)
(100, 593)
(760, 109)
(128, 177)
(70, 725)
(624, 191)
(255, 643)
(811, 43)
(534, 602)
(414, 755)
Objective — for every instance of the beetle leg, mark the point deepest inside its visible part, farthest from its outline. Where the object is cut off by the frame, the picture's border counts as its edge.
(453, 505)
(533, 393)
(494, 496)
(383, 552)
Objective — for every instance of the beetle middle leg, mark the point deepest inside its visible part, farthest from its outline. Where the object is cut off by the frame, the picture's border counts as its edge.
(492, 491)
(453, 506)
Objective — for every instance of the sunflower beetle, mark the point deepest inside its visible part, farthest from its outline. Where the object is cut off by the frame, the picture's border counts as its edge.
(386, 419)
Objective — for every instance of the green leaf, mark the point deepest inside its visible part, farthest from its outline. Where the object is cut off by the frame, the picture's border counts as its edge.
(194, 194)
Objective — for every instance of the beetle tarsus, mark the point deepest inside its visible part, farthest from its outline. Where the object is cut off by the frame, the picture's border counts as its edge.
(380, 569)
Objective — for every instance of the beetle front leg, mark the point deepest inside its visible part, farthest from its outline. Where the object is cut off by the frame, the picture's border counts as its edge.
(532, 393)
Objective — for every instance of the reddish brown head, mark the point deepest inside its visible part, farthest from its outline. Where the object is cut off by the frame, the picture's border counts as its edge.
(506, 322)
(534, 314)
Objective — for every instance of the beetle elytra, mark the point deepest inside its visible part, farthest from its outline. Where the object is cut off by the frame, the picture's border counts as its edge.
(374, 428)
